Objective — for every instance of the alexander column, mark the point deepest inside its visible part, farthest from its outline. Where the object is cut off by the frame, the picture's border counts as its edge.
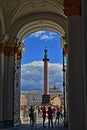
(46, 96)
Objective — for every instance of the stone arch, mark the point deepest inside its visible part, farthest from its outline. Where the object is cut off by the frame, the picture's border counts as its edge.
(39, 25)
(37, 22)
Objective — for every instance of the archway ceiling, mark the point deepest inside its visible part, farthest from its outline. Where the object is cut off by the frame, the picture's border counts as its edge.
(38, 26)
(17, 14)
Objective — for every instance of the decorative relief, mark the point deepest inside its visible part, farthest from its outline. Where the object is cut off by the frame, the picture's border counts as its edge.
(65, 50)
(72, 7)
(17, 50)
(19, 56)
(11, 49)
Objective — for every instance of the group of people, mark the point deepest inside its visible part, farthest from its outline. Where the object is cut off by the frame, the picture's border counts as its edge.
(50, 116)
(46, 112)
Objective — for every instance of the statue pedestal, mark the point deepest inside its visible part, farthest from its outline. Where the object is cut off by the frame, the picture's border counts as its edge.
(45, 99)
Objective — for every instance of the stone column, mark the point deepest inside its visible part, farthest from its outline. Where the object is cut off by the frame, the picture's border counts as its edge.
(1, 81)
(46, 86)
(8, 85)
(84, 32)
(10, 55)
(46, 96)
(72, 8)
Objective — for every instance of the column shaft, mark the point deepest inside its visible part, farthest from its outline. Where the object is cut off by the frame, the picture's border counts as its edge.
(1, 85)
(75, 75)
(46, 87)
(84, 32)
(8, 90)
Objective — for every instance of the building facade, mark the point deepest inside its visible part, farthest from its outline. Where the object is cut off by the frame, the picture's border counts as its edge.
(28, 98)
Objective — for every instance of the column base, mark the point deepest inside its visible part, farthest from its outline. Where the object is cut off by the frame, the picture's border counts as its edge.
(45, 99)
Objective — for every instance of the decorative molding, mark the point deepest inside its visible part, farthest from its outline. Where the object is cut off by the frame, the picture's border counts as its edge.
(72, 7)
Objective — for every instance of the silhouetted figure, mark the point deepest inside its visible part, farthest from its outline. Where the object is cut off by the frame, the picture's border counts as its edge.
(44, 115)
(57, 112)
(31, 115)
(61, 113)
(50, 117)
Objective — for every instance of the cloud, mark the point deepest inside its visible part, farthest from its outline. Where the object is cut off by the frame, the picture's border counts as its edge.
(44, 35)
(32, 75)
(38, 34)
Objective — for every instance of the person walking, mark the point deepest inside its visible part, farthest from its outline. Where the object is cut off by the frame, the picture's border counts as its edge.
(62, 113)
(57, 112)
(50, 117)
(44, 115)
(31, 115)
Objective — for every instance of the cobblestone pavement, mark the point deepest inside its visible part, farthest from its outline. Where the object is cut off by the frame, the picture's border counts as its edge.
(38, 126)
(27, 127)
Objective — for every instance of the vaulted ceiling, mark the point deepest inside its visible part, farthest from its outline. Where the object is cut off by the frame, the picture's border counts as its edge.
(21, 17)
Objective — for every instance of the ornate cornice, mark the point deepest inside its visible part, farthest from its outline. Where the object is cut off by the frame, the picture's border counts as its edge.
(72, 7)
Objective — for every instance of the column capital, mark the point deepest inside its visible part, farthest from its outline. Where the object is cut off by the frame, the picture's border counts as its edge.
(72, 7)
(10, 47)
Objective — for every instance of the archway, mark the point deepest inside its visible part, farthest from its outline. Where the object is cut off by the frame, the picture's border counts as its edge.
(18, 30)
(29, 55)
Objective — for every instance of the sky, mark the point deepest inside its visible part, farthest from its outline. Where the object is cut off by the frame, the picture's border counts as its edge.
(32, 66)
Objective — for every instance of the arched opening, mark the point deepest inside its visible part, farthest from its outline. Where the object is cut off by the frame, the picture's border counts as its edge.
(21, 29)
(32, 70)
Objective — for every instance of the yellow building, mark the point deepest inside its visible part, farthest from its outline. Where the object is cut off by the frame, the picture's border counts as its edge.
(55, 101)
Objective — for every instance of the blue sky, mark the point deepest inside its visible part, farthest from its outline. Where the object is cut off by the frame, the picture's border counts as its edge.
(35, 44)
(32, 64)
